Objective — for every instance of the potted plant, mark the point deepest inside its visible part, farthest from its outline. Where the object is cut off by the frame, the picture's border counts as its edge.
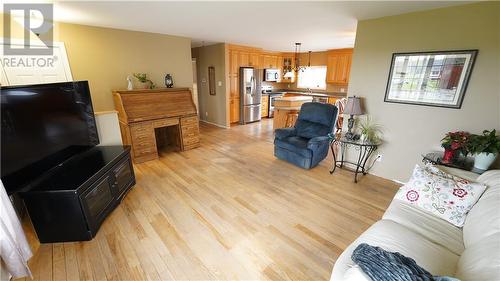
(485, 147)
(144, 80)
(453, 144)
(370, 131)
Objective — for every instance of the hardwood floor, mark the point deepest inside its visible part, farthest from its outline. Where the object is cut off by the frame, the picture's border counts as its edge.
(227, 210)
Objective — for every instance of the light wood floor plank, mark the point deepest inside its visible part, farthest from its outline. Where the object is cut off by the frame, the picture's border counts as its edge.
(228, 210)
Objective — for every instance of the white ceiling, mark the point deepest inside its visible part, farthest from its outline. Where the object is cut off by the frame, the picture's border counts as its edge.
(269, 25)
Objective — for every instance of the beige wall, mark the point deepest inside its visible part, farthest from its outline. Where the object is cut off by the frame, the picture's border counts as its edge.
(105, 57)
(212, 108)
(411, 130)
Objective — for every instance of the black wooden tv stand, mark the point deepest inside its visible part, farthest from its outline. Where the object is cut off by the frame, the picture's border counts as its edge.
(72, 201)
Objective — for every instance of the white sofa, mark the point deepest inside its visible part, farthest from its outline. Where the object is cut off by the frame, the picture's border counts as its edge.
(468, 253)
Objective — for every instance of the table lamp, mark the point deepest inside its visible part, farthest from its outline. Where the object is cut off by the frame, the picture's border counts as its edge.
(353, 107)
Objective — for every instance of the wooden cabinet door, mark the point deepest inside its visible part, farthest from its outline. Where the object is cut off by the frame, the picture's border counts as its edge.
(279, 66)
(264, 106)
(243, 59)
(331, 68)
(266, 61)
(346, 69)
(234, 109)
(253, 60)
(339, 67)
(233, 86)
(233, 63)
(274, 61)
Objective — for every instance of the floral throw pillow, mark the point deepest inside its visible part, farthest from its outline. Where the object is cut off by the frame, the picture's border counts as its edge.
(446, 196)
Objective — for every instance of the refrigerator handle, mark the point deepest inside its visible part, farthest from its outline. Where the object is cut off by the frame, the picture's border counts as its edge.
(253, 84)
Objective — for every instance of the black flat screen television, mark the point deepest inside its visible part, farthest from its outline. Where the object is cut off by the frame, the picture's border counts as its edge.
(43, 126)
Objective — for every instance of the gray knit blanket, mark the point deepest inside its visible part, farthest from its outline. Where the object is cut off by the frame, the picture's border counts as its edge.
(381, 265)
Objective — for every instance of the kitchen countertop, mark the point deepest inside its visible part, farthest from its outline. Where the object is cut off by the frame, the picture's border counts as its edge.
(297, 98)
(305, 93)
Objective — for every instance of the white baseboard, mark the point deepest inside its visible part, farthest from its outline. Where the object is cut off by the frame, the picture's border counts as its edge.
(215, 124)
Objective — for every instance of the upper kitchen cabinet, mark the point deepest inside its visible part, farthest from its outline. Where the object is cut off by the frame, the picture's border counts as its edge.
(234, 66)
(269, 61)
(338, 66)
(286, 62)
(253, 60)
(244, 59)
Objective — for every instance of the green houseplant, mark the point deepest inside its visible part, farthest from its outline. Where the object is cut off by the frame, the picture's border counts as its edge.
(485, 147)
(146, 82)
(370, 131)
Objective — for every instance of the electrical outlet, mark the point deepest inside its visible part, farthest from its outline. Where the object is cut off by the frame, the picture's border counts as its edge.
(206, 113)
(379, 158)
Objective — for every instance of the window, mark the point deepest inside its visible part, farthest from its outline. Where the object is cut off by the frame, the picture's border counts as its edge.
(313, 77)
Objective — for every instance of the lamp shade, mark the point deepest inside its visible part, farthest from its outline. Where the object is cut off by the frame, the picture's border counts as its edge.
(353, 106)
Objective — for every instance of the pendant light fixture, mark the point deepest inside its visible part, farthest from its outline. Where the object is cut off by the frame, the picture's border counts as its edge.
(296, 67)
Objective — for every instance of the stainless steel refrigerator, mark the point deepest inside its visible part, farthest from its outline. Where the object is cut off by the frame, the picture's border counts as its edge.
(250, 95)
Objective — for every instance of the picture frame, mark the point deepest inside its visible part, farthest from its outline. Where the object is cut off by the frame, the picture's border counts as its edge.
(435, 78)
(211, 81)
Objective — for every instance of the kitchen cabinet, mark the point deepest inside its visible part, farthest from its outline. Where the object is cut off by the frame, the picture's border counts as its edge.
(338, 66)
(233, 63)
(234, 86)
(243, 59)
(253, 60)
(264, 110)
(332, 100)
(234, 99)
(286, 61)
(269, 61)
(279, 66)
(234, 109)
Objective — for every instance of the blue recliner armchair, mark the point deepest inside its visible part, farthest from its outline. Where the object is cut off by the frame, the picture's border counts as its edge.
(306, 144)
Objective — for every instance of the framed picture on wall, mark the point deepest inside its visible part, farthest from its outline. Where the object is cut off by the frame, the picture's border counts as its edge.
(430, 78)
(211, 81)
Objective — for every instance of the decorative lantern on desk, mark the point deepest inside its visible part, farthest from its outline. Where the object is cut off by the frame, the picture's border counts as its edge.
(169, 81)
(353, 107)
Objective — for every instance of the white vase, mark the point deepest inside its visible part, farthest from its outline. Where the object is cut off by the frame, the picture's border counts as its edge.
(483, 160)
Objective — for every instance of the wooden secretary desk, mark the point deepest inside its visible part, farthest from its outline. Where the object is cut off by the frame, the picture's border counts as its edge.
(150, 118)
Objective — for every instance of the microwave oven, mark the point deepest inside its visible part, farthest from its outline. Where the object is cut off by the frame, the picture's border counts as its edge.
(271, 74)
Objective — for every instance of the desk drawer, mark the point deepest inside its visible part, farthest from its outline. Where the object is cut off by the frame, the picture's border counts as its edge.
(165, 122)
(145, 129)
(191, 140)
(189, 120)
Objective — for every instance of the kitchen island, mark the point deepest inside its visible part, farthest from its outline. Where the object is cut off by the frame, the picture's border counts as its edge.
(287, 110)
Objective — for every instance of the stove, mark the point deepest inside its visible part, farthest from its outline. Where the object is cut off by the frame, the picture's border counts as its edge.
(268, 90)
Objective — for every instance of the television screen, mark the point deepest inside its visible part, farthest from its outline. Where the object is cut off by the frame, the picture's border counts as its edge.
(42, 126)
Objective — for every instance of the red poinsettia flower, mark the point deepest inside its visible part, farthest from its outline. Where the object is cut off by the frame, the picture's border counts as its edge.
(459, 192)
(412, 195)
(455, 145)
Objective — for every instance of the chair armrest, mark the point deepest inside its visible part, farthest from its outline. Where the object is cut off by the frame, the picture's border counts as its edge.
(284, 133)
(317, 141)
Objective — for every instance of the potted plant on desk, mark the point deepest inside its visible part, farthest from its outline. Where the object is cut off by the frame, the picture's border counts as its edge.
(454, 143)
(146, 83)
(485, 148)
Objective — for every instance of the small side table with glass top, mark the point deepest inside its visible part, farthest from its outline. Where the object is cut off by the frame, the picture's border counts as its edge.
(365, 149)
(463, 163)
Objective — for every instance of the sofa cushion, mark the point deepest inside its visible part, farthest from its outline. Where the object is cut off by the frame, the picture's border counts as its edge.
(295, 144)
(484, 219)
(480, 262)
(447, 197)
(394, 237)
(426, 224)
